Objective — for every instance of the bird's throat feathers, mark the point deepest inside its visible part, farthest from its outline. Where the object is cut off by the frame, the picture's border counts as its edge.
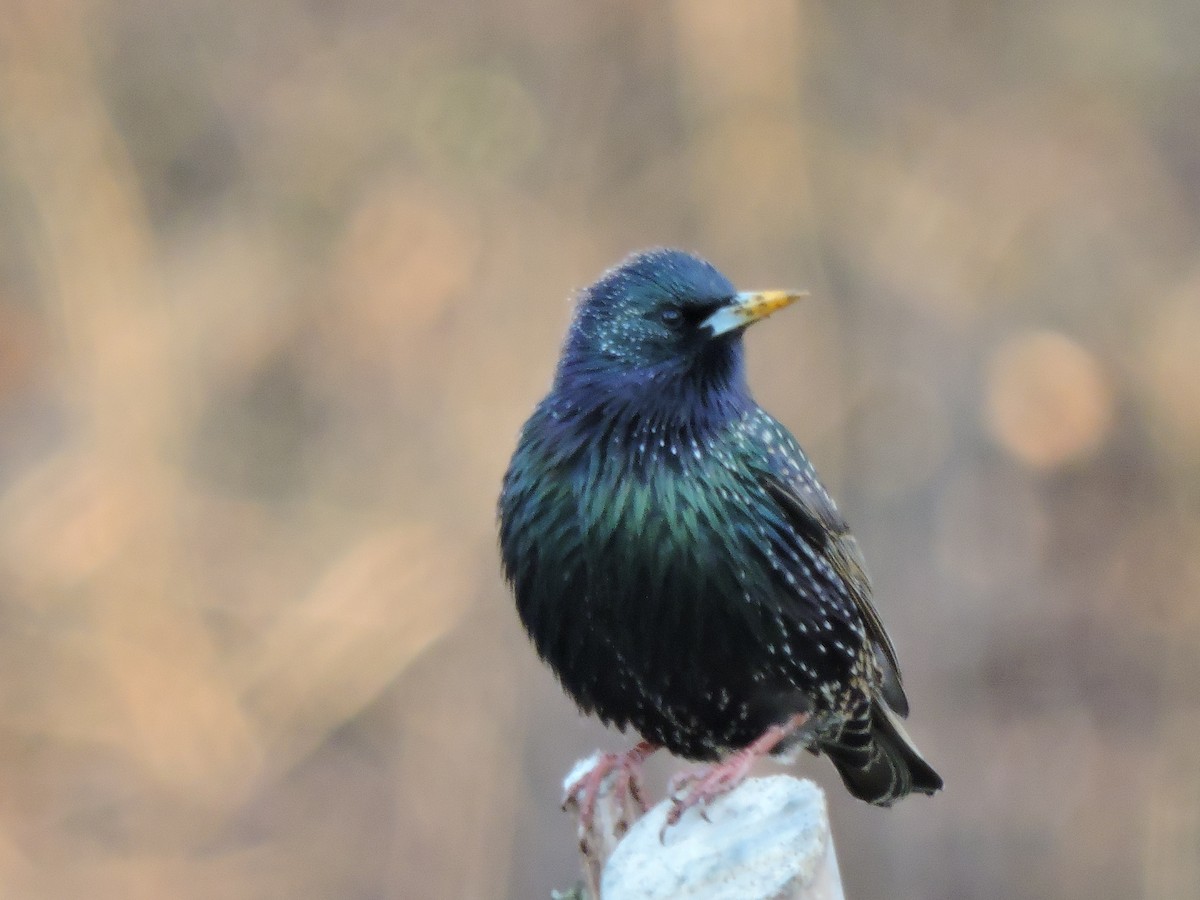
(597, 404)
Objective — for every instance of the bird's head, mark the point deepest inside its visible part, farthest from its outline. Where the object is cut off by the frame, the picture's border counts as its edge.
(663, 327)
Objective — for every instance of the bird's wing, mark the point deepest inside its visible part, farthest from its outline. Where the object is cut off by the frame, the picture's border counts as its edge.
(811, 512)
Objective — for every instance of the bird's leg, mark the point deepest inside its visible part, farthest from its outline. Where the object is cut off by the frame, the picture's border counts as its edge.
(602, 790)
(585, 790)
(720, 778)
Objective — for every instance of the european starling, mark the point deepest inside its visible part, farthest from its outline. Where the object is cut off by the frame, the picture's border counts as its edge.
(675, 559)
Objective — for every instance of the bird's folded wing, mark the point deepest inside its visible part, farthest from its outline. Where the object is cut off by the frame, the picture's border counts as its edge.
(814, 517)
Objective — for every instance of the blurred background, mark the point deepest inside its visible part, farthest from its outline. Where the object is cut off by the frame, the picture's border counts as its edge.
(279, 283)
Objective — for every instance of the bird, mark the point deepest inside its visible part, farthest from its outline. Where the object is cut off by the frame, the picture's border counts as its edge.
(676, 561)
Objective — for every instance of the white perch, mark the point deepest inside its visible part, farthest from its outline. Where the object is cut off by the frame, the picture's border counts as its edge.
(769, 838)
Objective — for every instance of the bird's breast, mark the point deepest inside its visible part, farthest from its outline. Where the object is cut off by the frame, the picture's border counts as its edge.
(658, 573)
(650, 559)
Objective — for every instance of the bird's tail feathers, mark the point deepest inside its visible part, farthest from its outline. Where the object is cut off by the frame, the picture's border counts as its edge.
(878, 761)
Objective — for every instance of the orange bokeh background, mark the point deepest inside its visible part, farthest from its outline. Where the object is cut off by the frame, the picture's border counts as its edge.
(279, 282)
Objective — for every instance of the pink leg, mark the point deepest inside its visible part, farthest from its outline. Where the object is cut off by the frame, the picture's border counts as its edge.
(608, 798)
(724, 776)
(584, 792)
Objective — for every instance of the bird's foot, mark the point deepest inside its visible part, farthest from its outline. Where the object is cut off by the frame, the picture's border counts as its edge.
(689, 789)
(606, 791)
(625, 769)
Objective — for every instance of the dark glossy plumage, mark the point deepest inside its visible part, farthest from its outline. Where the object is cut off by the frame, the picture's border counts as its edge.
(675, 559)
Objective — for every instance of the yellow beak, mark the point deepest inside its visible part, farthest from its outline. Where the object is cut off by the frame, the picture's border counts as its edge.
(749, 307)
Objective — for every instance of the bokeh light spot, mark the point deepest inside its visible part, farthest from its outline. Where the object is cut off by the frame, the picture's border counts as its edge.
(1048, 403)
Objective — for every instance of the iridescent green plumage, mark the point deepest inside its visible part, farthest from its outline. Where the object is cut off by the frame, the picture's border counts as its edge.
(673, 556)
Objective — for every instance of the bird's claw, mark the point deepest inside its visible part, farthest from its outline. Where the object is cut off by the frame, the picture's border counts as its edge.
(689, 789)
(697, 789)
(606, 792)
(608, 774)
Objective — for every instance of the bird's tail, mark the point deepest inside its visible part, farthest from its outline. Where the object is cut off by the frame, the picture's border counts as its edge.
(878, 761)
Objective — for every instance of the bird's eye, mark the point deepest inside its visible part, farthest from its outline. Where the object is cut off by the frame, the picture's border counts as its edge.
(671, 317)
